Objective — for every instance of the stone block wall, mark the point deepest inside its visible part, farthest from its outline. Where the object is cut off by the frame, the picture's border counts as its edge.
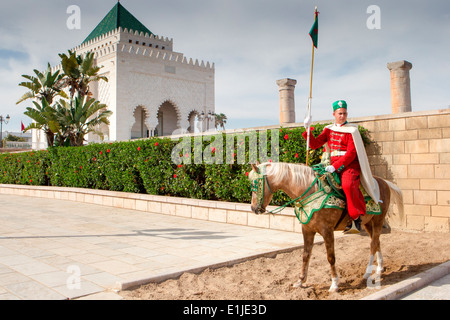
(412, 149)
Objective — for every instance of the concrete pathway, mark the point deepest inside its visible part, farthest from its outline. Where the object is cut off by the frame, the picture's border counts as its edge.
(58, 249)
(437, 290)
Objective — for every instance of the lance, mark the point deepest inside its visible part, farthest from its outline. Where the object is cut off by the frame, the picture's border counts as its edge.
(314, 35)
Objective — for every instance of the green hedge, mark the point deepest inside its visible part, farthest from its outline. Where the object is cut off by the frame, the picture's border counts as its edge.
(146, 166)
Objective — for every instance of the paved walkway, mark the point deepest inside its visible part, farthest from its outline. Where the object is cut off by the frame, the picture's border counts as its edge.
(57, 249)
(437, 290)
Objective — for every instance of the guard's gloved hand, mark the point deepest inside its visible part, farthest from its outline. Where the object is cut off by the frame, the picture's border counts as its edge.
(330, 169)
(307, 121)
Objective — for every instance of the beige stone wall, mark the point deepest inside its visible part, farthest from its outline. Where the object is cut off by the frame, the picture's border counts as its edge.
(413, 150)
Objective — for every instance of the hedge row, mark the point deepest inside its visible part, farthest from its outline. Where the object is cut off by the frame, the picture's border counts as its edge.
(151, 166)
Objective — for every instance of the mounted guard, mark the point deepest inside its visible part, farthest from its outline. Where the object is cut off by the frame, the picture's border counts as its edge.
(318, 202)
(344, 144)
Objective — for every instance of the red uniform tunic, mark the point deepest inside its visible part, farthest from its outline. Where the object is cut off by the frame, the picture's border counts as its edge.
(346, 163)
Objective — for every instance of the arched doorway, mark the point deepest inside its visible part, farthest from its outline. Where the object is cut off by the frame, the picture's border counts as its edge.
(194, 123)
(167, 119)
(139, 129)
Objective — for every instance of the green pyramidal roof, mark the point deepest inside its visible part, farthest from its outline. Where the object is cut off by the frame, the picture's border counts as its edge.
(117, 17)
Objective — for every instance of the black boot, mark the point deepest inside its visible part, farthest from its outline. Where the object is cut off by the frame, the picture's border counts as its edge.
(353, 227)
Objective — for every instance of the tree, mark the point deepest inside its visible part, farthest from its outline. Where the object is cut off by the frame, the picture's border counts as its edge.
(220, 120)
(45, 85)
(44, 117)
(68, 120)
(79, 72)
(82, 115)
(11, 137)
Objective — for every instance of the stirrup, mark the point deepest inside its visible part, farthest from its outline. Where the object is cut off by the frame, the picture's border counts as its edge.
(352, 230)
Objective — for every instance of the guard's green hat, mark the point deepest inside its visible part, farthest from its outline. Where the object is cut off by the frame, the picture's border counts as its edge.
(339, 104)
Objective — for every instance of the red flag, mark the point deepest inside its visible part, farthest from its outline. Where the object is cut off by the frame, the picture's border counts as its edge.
(22, 127)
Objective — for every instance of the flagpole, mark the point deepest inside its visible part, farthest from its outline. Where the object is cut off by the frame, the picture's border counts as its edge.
(309, 105)
(312, 67)
(310, 95)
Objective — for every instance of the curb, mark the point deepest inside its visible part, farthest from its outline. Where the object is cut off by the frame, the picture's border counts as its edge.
(409, 285)
(125, 285)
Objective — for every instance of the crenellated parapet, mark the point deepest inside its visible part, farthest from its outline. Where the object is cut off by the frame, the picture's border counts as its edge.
(139, 44)
(158, 55)
(129, 36)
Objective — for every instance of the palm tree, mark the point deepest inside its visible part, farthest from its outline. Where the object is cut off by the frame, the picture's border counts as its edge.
(220, 120)
(44, 86)
(81, 116)
(66, 120)
(44, 118)
(79, 72)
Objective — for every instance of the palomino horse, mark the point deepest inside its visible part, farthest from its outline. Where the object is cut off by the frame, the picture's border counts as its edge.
(294, 180)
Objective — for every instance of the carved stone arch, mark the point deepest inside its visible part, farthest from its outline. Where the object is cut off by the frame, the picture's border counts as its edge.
(194, 121)
(139, 127)
(169, 118)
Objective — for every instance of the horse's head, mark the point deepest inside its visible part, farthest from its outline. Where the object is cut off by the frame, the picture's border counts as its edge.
(261, 192)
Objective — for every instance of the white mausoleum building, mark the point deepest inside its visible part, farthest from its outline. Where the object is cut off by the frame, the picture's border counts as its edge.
(151, 89)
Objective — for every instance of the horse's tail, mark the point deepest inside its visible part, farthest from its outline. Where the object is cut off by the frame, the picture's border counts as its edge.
(397, 197)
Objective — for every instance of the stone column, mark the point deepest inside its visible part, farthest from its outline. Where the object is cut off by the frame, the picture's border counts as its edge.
(400, 86)
(287, 101)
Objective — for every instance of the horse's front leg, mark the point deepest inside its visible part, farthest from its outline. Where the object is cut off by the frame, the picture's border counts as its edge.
(308, 242)
(375, 249)
(328, 237)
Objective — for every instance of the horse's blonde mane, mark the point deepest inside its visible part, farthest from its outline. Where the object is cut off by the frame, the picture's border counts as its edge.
(279, 171)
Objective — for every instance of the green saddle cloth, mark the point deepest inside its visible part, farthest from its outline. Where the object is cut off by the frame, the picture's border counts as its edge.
(329, 195)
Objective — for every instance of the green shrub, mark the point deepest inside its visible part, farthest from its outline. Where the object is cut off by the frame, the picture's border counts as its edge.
(146, 166)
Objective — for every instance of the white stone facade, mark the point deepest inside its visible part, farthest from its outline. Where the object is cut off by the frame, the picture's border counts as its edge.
(151, 89)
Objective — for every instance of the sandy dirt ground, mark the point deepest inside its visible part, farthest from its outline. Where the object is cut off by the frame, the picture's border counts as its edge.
(405, 254)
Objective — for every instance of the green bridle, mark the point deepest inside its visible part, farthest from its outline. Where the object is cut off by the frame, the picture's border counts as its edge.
(258, 186)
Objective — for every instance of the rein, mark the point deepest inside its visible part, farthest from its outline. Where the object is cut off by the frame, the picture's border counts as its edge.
(258, 186)
(259, 183)
(281, 208)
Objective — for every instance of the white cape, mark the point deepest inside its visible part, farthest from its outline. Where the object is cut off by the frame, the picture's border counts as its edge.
(367, 180)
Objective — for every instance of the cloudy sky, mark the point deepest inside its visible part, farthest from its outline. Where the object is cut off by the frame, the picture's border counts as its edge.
(253, 43)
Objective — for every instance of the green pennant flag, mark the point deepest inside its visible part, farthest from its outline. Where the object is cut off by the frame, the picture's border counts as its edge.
(314, 32)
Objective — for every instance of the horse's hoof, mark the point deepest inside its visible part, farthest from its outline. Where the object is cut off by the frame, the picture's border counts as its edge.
(366, 276)
(334, 285)
(298, 284)
(333, 288)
